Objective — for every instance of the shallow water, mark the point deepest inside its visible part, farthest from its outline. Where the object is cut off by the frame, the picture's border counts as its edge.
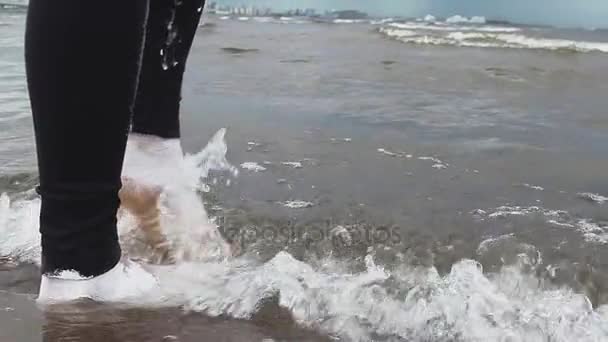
(402, 192)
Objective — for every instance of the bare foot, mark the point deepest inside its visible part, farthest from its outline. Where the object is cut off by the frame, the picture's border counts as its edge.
(142, 202)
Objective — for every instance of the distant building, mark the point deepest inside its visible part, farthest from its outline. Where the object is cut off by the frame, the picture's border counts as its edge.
(251, 10)
(310, 12)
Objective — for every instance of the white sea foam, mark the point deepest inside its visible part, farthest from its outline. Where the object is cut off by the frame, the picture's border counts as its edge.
(517, 40)
(593, 197)
(406, 304)
(429, 18)
(348, 21)
(19, 236)
(425, 26)
(488, 243)
(398, 33)
(457, 19)
(487, 36)
(433, 159)
(295, 164)
(381, 21)
(388, 153)
(297, 204)
(592, 232)
(533, 187)
(253, 166)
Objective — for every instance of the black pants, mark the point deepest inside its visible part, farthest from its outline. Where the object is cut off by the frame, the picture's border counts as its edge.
(96, 69)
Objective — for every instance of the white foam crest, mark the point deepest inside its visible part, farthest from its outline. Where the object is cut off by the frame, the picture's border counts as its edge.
(597, 198)
(592, 232)
(426, 26)
(381, 21)
(292, 164)
(348, 21)
(429, 18)
(298, 204)
(551, 44)
(253, 166)
(398, 33)
(533, 187)
(462, 36)
(19, 238)
(483, 37)
(488, 243)
(290, 20)
(419, 305)
(392, 154)
(458, 19)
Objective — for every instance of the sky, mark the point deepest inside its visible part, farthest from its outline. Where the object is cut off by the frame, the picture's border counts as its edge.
(566, 13)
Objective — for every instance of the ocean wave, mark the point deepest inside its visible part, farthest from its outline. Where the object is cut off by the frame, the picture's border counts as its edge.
(349, 21)
(404, 302)
(429, 18)
(596, 198)
(457, 19)
(423, 26)
(381, 21)
(484, 38)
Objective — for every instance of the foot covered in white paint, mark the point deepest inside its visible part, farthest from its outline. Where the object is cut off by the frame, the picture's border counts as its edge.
(127, 281)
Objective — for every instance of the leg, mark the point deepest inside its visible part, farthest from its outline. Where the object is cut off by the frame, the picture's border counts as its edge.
(82, 61)
(170, 31)
(153, 151)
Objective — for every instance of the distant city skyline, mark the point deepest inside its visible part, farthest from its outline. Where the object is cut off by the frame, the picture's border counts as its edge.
(571, 13)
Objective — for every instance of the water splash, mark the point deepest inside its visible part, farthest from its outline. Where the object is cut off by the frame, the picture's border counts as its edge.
(192, 234)
(19, 238)
(409, 303)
